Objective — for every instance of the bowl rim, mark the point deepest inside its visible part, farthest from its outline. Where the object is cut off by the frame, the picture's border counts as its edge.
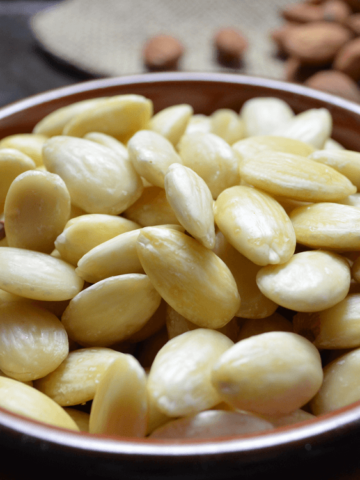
(304, 435)
(173, 77)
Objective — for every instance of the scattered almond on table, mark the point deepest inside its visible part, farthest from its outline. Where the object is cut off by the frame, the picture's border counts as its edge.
(320, 44)
(230, 46)
(162, 52)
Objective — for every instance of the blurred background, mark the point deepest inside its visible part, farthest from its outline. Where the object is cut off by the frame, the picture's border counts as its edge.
(46, 44)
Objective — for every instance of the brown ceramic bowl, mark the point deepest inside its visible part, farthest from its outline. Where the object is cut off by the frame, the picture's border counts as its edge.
(325, 448)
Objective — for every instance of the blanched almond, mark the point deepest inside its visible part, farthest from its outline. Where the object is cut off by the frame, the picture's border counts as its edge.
(344, 161)
(171, 122)
(12, 163)
(255, 224)
(212, 424)
(249, 147)
(253, 303)
(117, 256)
(152, 208)
(37, 275)
(295, 177)
(37, 208)
(334, 328)
(308, 282)
(75, 380)
(80, 418)
(199, 123)
(340, 386)
(24, 400)
(296, 416)
(313, 126)
(192, 202)
(111, 310)
(263, 115)
(53, 123)
(155, 323)
(332, 144)
(98, 179)
(119, 116)
(273, 374)
(108, 141)
(28, 143)
(190, 278)
(351, 200)
(228, 125)
(212, 159)
(152, 154)
(85, 232)
(33, 342)
(120, 402)
(327, 225)
(179, 379)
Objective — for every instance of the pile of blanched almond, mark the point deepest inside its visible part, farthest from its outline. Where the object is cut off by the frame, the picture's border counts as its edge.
(156, 249)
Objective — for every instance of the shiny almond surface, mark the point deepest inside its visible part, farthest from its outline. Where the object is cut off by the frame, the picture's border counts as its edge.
(190, 278)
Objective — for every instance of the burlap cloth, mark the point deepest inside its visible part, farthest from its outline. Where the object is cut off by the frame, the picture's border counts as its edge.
(106, 37)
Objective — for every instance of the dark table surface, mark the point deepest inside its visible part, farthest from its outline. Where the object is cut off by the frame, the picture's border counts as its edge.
(24, 68)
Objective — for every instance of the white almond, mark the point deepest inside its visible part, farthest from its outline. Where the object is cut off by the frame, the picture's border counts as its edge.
(345, 162)
(192, 202)
(179, 379)
(119, 116)
(308, 282)
(98, 179)
(152, 154)
(33, 341)
(27, 401)
(273, 373)
(111, 310)
(37, 208)
(37, 275)
(313, 126)
(76, 379)
(264, 115)
(255, 224)
(189, 277)
(171, 122)
(120, 402)
(212, 159)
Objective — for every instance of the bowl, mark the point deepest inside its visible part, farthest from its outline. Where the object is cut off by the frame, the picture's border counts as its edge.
(322, 448)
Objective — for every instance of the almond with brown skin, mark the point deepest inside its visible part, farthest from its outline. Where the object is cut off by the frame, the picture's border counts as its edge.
(2, 230)
(303, 13)
(316, 43)
(348, 59)
(230, 45)
(336, 11)
(353, 22)
(162, 52)
(278, 36)
(337, 83)
(295, 71)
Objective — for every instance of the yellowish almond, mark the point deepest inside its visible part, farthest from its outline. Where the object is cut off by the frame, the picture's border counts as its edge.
(190, 278)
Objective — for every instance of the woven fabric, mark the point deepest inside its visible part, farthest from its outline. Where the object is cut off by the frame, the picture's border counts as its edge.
(106, 37)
